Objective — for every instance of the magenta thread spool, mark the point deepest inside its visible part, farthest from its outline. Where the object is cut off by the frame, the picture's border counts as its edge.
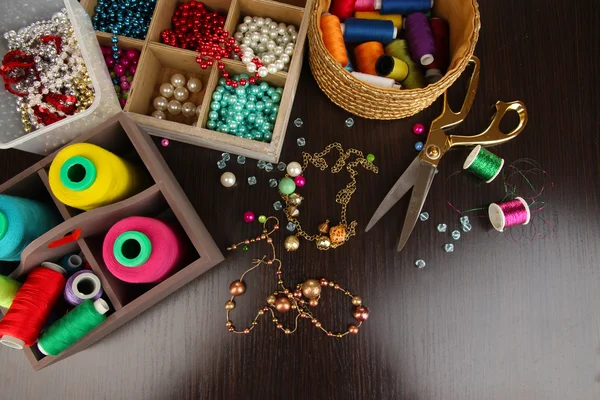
(142, 250)
(81, 286)
(508, 214)
(420, 37)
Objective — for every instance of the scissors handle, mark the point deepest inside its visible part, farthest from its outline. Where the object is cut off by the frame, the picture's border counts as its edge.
(493, 135)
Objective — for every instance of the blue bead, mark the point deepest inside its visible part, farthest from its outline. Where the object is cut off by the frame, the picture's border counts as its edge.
(114, 39)
(115, 48)
(419, 146)
(115, 56)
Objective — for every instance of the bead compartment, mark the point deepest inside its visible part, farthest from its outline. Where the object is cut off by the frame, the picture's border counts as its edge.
(287, 11)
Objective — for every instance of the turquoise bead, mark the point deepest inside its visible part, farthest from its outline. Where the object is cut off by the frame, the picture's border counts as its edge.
(279, 90)
(238, 107)
(242, 130)
(267, 137)
(222, 81)
(214, 105)
(276, 98)
(267, 126)
(244, 76)
(251, 118)
(273, 117)
(264, 86)
(254, 90)
(260, 120)
(248, 136)
(260, 105)
(275, 109)
(240, 90)
(238, 133)
(220, 89)
(238, 118)
(287, 186)
(270, 91)
(250, 106)
(217, 96)
(213, 115)
(252, 98)
(211, 124)
(257, 135)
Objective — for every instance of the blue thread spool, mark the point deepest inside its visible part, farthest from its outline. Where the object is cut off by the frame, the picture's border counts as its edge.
(72, 263)
(358, 30)
(403, 7)
(21, 222)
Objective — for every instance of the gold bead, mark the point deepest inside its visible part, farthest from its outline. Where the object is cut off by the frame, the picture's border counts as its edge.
(313, 302)
(282, 304)
(228, 324)
(230, 305)
(323, 243)
(356, 301)
(246, 331)
(294, 199)
(324, 227)
(291, 243)
(287, 331)
(261, 312)
(318, 324)
(311, 288)
(353, 329)
(279, 326)
(339, 335)
(237, 288)
(293, 211)
(271, 299)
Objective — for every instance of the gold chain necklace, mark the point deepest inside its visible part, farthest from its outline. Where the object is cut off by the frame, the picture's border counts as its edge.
(327, 237)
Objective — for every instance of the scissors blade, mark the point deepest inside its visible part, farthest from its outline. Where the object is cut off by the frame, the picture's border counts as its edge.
(402, 185)
(419, 194)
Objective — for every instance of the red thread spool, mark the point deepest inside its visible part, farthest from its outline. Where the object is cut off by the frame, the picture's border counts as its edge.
(31, 307)
(441, 38)
(342, 8)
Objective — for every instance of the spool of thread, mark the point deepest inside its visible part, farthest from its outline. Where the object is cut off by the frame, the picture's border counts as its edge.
(367, 5)
(441, 39)
(357, 30)
(391, 67)
(483, 164)
(141, 250)
(342, 8)
(433, 76)
(511, 213)
(420, 37)
(414, 79)
(24, 320)
(377, 80)
(333, 38)
(86, 176)
(83, 285)
(72, 327)
(72, 263)
(367, 55)
(8, 291)
(395, 18)
(404, 7)
(21, 222)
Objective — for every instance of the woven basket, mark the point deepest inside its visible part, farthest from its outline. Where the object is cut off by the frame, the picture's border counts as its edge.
(368, 101)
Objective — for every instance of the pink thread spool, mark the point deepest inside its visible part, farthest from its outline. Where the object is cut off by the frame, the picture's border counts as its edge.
(511, 213)
(141, 250)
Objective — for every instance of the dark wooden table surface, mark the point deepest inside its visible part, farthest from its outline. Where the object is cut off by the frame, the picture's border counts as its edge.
(502, 317)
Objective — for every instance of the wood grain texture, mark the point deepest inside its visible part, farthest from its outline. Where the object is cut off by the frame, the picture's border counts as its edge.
(494, 320)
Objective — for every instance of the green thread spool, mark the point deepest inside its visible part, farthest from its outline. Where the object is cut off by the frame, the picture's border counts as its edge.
(8, 291)
(73, 326)
(415, 78)
(483, 164)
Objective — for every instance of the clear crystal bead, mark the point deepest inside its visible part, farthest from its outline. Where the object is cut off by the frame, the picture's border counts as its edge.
(448, 247)
(467, 227)
(298, 122)
(252, 180)
(291, 226)
(442, 228)
(420, 264)
(273, 182)
(424, 216)
(350, 122)
(464, 220)
(301, 141)
(225, 157)
(281, 166)
(455, 234)
(241, 160)
(268, 167)
(277, 205)
(221, 164)
(261, 164)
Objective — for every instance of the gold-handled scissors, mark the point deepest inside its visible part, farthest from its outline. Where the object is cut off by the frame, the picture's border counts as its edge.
(421, 171)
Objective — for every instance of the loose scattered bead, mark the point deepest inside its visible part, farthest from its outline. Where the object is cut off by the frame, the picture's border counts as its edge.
(370, 158)
(298, 122)
(241, 160)
(424, 216)
(294, 169)
(228, 179)
(419, 146)
(287, 186)
(262, 219)
(464, 220)
(467, 227)
(261, 164)
(442, 228)
(225, 156)
(277, 205)
(268, 167)
(281, 166)
(349, 122)
(273, 183)
(448, 247)
(252, 180)
(291, 226)
(301, 142)
(455, 234)
(300, 181)
(420, 264)
(249, 216)
(221, 164)
(164, 142)
(418, 129)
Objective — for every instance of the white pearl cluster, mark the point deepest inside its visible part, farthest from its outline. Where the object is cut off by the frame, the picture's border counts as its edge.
(271, 42)
(58, 72)
(180, 90)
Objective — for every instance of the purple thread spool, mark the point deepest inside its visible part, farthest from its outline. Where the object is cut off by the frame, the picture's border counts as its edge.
(81, 286)
(420, 37)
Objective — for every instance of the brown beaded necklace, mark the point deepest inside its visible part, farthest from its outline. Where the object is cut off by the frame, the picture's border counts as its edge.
(301, 300)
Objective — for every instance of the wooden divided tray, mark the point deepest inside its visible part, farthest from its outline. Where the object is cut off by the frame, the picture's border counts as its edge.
(161, 197)
(159, 61)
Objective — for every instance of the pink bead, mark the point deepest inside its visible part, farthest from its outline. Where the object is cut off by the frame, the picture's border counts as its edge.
(418, 129)
(126, 62)
(110, 62)
(105, 50)
(132, 54)
(119, 70)
(164, 142)
(120, 52)
(249, 216)
(123, 78)
(125, 85)
(122, 102)
(133, 69)
(300, 181)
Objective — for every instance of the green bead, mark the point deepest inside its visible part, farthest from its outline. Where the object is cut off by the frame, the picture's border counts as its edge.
(276, 98)
(273, 117)
(238, 107)
(211, 124)
(254, 90)
(117, 88)
(287, 186)
(270, 91)
(244, 248)
(248, 136)
(252, 98)
(242, 130)
(260, 105)
(238, 117)
(126, 95)
(267, 137)
(244, 76)
(370, 157)
(260, 120)
(222, 82)
(257, 135)
(250, 106)
(251, 118)
(275, 109)
(262, 219)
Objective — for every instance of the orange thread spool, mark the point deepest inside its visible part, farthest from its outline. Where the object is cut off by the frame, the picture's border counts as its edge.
(367, 55)
(333, 38)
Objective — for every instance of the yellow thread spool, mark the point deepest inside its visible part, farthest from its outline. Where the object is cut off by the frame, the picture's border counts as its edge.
(8, 291)
(86, 176)
(391, 67)
(415, 78)
(395, 18)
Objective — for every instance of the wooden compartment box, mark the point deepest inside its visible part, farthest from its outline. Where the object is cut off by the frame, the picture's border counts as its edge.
(161, 197)
(159, 61)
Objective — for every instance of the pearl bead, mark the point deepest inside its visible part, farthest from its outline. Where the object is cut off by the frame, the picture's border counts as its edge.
(279, 65)
(177, 80)
(198, 110)
(181, 94)
(174, 107)
(285, 58)
(263, 71)
(228, 179)
(159, 114)
(246, 59)
(294, 169)
(194, 85)
(288, 51)
(247, 19)
(160, 103)
(271, 68)
(251, 67)
(166, 90)
(188, 109)
(164, 142)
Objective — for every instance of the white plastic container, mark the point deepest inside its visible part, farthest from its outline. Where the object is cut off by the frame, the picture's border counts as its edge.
(17, 14)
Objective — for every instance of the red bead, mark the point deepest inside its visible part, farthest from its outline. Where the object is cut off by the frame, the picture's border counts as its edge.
(221, 66)
(225, 74)
(243, 81)
(252, 80)
(361, 313)
(234, 84)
